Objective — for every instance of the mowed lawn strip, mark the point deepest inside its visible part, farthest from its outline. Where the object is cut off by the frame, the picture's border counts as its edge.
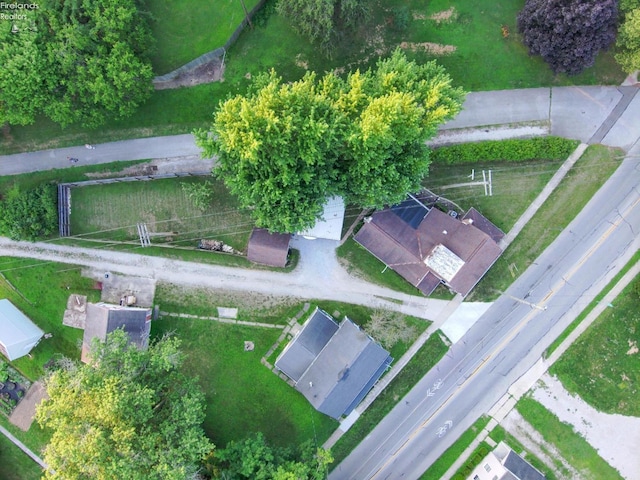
(575, 449)
(111, 212)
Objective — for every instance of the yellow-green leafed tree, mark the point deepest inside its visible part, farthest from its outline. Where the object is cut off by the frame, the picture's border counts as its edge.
(130, 414)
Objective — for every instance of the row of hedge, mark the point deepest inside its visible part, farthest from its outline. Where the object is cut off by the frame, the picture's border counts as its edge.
(515, 150)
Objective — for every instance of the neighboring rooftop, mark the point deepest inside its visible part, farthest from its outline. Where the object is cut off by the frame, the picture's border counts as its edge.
(333, 366)
(18, 334)
(268, 248)
(505, 464)
(427, 246)
(103, 318)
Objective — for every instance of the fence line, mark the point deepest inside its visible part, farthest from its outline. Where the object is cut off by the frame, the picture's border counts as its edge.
(64, 193)
(211, 55)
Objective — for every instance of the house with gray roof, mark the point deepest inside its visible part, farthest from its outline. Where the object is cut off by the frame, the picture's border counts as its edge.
(505, 464)
(18, 334)
(103, 318)
(333, 365)
(427, 246)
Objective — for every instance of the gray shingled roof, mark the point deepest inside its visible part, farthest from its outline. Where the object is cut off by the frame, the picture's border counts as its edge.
(336, 376)
(104, 318)
(521, 468)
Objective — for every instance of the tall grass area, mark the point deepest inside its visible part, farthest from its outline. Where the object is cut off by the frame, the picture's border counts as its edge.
(111, 212)
(575, 449)
(606, 374)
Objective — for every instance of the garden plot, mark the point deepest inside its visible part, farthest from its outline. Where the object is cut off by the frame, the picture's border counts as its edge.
(112, 212)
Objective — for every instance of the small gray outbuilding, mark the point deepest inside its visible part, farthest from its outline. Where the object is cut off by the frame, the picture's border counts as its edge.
(18, 334)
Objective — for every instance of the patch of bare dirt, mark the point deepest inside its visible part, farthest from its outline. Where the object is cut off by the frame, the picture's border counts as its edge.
(208, 72)
(445, 16)
(615, 437)
(301, 62)
(429, 47)
(418, 16)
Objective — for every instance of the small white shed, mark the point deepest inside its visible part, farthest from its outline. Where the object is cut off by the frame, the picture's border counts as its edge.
(329, 227)
(18, 334)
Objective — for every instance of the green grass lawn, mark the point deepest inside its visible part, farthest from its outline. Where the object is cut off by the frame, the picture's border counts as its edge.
(575, 449)
(186, 29)
(483, 60)
(603, 365)
(14, 464)
(41, 292)
(242, 395)
(111, 212)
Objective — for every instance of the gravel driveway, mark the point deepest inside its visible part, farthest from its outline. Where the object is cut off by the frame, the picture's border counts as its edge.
(318, 275)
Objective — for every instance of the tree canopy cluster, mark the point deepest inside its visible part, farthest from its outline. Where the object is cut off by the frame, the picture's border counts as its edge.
(254, 459)
(285, 147)
(130, 414)
(568, 34)
(30, 214)
(321, 20)
(628, 40)
(75, 61)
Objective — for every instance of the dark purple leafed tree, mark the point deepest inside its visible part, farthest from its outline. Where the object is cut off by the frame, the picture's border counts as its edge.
(568, 34)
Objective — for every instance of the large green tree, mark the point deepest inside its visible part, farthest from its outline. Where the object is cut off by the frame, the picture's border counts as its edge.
(77, 61)
(254, 459)
(130, 414)
(285, 147)
(30, 214)
(628, 39)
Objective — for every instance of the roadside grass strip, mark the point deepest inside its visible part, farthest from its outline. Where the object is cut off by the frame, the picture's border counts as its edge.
(571, 445)
(428, 355)
(448, 458)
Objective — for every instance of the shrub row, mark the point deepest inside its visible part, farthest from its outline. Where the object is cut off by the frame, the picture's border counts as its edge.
(539, 148)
